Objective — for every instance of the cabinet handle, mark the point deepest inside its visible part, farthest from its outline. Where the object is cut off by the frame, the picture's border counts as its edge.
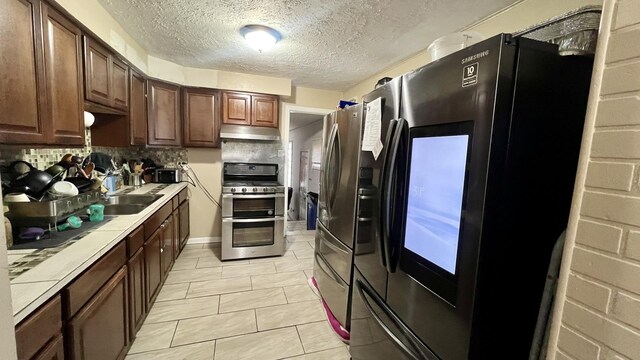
(161, 249)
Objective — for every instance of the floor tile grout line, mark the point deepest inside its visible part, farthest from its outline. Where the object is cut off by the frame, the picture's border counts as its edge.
(174, 334)
(304, 352)
(169, 348)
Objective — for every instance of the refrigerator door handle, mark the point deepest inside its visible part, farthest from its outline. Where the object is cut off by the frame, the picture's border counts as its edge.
(382, 209)
(401, 141)
(414, 352)
(327, 162)
(388, 197)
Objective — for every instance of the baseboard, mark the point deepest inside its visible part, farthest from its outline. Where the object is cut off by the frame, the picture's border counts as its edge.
(204, 240)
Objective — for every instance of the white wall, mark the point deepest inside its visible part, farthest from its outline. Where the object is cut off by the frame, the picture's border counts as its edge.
(302, 139)
(597, 313)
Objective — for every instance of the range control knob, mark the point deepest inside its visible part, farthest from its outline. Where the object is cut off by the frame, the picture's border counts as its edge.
(273, 189)
(255, 189)
(233, 190)
(244, 190)
(265, 190)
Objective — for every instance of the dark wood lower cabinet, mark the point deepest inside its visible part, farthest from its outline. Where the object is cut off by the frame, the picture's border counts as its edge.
(38, 330)
(100, 330)
(137, 302)
(153, 266)
(100, 312)
(167, 246)
(184, 223)
(53, 351)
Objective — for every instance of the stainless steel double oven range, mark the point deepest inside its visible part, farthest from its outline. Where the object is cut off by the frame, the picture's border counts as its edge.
(252, 211)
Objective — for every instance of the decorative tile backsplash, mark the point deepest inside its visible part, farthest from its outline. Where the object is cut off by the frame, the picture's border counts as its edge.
(268, 152)
(44, 157)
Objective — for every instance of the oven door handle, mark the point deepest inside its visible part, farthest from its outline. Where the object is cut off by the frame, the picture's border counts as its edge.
(232, 220)
(240, 196)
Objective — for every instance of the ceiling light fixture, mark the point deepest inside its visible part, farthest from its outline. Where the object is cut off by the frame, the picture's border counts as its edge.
(260, 37)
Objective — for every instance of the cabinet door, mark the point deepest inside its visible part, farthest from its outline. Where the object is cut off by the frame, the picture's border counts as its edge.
(53, 351)
(236, 108)
(164, 114)
(39, 329)
(138, 110)
(201, 114)
(120, 84)
(63, 69)
(101, 329)
(184, 223)
(264, 110)
(137, 302)
(153, 266)
(97, 72)
(176, 234)
(167, 246)
(22, 83)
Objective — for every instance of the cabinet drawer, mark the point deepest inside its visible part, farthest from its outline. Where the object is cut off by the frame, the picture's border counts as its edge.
(135, 240)
(334, 291)
(84, 287)
(156, 219)
(183, 195)
(38, 329)
(176, 202)
(337, 254)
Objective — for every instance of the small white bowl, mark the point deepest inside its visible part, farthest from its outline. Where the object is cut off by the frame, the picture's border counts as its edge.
(16, 197)
(64, 188)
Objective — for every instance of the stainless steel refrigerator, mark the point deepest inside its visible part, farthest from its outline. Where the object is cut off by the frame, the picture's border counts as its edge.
(336, 209)
(474, 189)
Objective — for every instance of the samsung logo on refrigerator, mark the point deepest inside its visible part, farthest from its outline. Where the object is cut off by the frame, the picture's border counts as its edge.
(475, 57)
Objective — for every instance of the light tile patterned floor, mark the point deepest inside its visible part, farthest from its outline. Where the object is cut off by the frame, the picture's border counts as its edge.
(247, 309)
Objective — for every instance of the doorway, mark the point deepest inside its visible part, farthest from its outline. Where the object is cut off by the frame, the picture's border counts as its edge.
(302, 132)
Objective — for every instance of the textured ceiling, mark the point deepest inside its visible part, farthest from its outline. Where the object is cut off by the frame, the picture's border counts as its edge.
(328, 44)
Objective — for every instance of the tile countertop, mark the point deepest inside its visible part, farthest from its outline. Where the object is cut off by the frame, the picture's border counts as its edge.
(34, 287)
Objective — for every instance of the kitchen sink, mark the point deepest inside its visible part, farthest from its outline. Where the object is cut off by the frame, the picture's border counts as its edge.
(131, 199)
(127, 204)
(123, 209)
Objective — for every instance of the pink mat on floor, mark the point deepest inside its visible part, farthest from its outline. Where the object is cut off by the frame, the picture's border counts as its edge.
(342, 333)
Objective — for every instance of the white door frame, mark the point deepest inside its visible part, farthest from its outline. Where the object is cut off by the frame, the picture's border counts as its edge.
(287, 110)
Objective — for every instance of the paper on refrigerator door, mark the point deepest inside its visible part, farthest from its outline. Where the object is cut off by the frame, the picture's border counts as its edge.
(373, 128)
(377, 149)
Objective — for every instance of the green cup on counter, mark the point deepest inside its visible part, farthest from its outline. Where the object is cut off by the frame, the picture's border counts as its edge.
(96, 212)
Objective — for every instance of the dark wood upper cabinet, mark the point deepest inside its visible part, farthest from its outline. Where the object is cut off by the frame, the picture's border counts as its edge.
(163, 121)
(236, 108)
(41, 87)
(120, 84)
(63, 70)
(264, 110)
(138, 109)
(97, 68)
(101, 329)
(22, 81)
(249, 109)
(201, 116)
(106, 77)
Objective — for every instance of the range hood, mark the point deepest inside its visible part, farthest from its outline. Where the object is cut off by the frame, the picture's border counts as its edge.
(249, 133)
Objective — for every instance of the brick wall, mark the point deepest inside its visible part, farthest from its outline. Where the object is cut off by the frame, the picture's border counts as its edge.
(598, 308)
